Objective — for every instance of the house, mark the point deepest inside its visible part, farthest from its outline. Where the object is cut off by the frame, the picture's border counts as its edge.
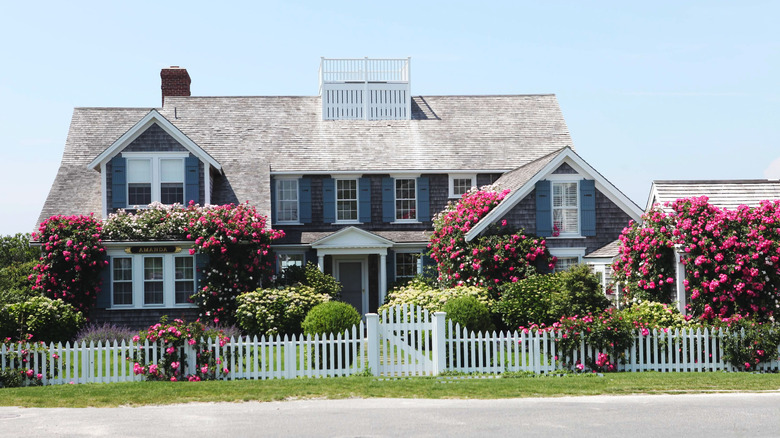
(728, 194)
(353, 176)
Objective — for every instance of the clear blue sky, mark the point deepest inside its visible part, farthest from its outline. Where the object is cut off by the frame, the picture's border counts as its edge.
(650, 90)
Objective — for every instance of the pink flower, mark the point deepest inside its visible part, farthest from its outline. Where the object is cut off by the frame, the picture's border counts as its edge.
(645, 331)
(175, 365)
(580, 366)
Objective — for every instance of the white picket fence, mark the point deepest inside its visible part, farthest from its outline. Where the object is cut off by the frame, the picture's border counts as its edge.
(402, 342)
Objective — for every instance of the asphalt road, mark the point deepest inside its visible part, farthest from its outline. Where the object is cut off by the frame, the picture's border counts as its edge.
(715, 415)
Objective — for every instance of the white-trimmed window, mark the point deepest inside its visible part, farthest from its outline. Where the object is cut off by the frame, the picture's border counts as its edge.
(566, 257)
(346, 200)
(460, 184)
(287, 201)
(405, 199)
(146, 280)
(122, 281)
(158, 178)
(286, 260)
(565, 208)
(406, 265)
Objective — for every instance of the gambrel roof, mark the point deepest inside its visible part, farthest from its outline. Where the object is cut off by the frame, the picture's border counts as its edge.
(254, 137)
(728, 194)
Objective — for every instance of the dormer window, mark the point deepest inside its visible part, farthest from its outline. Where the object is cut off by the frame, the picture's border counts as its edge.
(159, 177)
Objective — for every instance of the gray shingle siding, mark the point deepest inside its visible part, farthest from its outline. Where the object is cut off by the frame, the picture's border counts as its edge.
(154, 139)
(564, 168)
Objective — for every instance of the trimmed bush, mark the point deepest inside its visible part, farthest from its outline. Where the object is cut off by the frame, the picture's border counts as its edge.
(45, 319)
(276, 311)
(469, 312)
(651, 315)
(330, 317)
(432, 298)
(528, 301)
(580, 294)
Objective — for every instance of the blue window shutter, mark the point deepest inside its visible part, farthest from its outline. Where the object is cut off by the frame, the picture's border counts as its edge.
(364, 200)
(328, 200)
(388, 199)
(104, 295)
(544, 223)
(273, 201)
(118, 182)
(201, 260)
(423, 200)
(304, 200)
(191, 180)
(390, 267)
(588, 207)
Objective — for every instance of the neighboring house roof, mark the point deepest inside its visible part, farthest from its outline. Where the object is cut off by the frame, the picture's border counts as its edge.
(522, 181)
(609, 250)
(253, 137)
(728, 194)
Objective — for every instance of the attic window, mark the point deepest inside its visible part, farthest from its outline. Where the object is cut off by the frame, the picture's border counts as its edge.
(460, 184)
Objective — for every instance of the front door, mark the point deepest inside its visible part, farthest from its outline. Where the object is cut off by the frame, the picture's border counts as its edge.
(350, 275)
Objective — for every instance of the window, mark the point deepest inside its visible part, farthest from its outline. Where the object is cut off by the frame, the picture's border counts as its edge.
(154, 179)
(405, 199)
(184, 273)
(460, 184)
(139, 182)
(171, 181)
(122, 284)
(565, 208)
(346, 200)
(287, 200)
(406, 265)
(287, 260)
(565, 263)
(153, 280)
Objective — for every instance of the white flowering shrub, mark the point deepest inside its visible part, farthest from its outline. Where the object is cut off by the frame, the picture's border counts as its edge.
(276, 311)
(432, 298)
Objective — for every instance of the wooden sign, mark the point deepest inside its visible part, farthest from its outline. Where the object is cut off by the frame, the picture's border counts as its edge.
(152, 249)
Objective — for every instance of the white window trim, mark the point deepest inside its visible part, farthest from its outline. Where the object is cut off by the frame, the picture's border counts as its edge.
(419, 251)
(355, 221)
(297, 197)
(156, 177)
(567, 180)
(567, 253)
(169, 280)
(454, 176)
(395, 201)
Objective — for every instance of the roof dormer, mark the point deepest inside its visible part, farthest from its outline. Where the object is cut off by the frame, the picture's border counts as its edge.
(365, 89)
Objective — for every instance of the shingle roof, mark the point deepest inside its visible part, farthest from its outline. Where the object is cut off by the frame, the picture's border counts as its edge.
(721, 193)
(609, 250)
(253, 136)
(517, 178)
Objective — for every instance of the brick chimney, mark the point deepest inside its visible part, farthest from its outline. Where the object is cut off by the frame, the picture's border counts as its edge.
(175, 82)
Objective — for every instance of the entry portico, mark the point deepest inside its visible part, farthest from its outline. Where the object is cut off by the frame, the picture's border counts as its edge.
(350, 248)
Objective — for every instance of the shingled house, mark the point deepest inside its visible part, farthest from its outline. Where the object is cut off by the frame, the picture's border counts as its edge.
(352, 175)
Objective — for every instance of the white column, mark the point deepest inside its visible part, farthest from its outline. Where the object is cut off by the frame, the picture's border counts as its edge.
(382, 278)
(680, 274)
(321, 262)
(207, 185)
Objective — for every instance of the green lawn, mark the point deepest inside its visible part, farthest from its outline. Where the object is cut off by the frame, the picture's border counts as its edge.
(143, 393)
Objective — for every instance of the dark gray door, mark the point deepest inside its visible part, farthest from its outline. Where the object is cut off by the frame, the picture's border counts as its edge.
(351, 278)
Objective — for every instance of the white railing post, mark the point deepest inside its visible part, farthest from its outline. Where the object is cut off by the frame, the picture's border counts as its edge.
(439, 333)
(679, 253)
(372, 338)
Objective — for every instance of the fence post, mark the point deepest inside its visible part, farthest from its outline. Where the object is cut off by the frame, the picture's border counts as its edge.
(372, 338)
(190, 354)
(438, 342)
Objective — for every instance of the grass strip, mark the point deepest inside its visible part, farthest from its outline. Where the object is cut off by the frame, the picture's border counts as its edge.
(160, 393)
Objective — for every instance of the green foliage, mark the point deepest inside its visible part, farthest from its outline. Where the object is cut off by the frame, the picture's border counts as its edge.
(528, 301)
(276, 311)
(746, 343)
(311, 276)
(331, 317)
(19, 363)
(16, 250)
(654, 315)
(45, 319)
(580, 293)
(422, 294)
(469, 312)
(15, 283)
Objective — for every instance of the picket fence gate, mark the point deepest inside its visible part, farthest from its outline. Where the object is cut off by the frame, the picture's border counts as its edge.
(404, 341)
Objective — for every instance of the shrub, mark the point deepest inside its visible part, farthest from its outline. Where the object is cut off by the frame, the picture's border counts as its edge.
(648, 314)
(747, 342)
(498, 255)
(19, 363)
(469, 312)
(528, 301)
(422, 294)
(310, 275)
(332, 317)
(45, 319)
(16, 250)
(104, 332)
(276, 311)
(580, 293)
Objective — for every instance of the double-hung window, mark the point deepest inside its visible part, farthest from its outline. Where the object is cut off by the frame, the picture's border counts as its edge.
(139, 181)
(122, 283)
(154, 179)
(565, 207)
(405, 199)
(184, 277)
(346, 200)
(406, 265)
(287, 200)
(171, 181)
(153, 281)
